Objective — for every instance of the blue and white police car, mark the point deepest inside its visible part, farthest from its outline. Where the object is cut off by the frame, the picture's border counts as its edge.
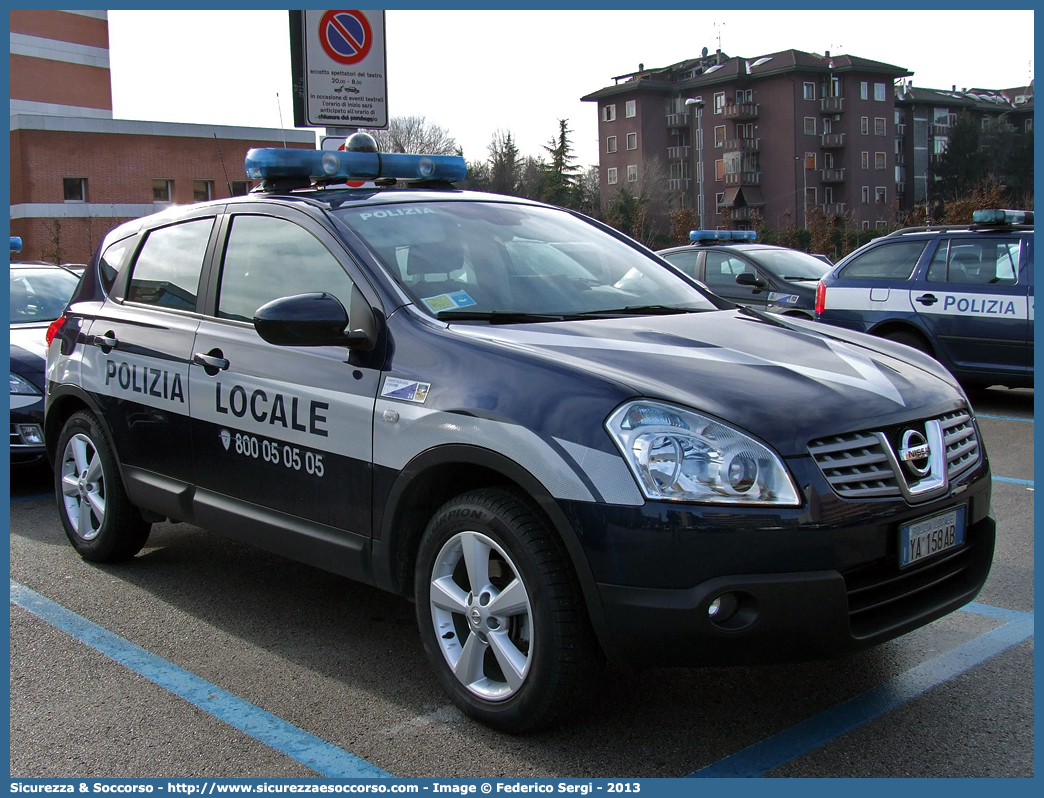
(735, 267)
(963, 294)
(563, 450)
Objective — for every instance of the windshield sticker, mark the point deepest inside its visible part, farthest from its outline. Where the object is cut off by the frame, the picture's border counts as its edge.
(458, 299)
(407, 390)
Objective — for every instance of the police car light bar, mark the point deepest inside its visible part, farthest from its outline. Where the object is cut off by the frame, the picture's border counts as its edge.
(996, 216)
(723, 235)
(16, 244)
(271, 163)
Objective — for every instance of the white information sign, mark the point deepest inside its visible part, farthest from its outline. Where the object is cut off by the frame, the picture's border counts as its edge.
(345, 69)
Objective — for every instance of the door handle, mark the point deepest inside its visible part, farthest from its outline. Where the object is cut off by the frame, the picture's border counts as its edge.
(107, 341)
(212, 361)
(927, 299)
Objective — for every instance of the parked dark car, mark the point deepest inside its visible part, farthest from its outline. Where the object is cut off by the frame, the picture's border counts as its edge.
(763, 276)
(39, 294)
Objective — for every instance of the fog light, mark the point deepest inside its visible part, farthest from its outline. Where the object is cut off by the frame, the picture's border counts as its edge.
(723, 607)
(714, 608)
(31, 434)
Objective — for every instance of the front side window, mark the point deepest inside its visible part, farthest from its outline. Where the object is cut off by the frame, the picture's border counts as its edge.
(722, 268)
(169, 263)
(891, 261)
(478, 257)
(268, 258)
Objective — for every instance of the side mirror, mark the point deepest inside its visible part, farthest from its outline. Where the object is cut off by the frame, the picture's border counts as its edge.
(316, 319)
(751, 280)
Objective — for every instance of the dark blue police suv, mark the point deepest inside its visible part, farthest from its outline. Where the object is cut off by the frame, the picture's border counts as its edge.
(961, 293)
(565, 452)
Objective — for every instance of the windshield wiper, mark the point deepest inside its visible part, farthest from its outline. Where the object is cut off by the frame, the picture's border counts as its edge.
(639, 310)
(499, 316)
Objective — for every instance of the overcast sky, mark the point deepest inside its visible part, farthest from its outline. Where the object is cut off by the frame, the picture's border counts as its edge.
(477, 72)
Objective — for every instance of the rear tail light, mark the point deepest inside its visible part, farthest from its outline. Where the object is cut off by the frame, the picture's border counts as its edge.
(53, 328)
(820, 296)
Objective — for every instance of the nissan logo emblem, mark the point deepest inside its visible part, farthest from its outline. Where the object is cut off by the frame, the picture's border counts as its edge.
(916, 453)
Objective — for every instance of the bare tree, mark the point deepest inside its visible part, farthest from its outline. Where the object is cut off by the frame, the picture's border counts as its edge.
(414, 134)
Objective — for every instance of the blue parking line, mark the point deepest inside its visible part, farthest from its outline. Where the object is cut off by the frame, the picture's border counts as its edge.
(1013, 481)
(1003, 418)
(319, 755)
(784, 747)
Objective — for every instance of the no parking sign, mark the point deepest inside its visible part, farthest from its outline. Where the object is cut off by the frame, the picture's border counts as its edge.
(339, 69)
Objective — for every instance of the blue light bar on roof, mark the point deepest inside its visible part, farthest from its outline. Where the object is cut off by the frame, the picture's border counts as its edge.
(272, 163)
(16, 244)
(996, 216)
(723, 235)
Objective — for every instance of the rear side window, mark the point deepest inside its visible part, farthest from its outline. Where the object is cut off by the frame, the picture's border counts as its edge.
(686, 261)
(970, 262)
(893, 261)
(167, 270)
(111, 262)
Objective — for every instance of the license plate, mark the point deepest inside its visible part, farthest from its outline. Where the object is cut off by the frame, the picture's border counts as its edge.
(929, 536)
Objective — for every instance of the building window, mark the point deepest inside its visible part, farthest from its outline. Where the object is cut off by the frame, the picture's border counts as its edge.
(719, 169)
(866, 225)
(719, 101)
(610, 175)
(810, 160)
(828, 195)
(879, 160)
(866, 195)
(632, 141)
(74, 189)
(864, 91)
(610, 144)
(240, 188)
(880, 195)
(810, 126)
(810, 91)
(629, 108)
(719, 135)
(202, 190)
(810, 197)
(719, 199)
(835, 87)
(745, 95)
(879, 92)
(745, 131)
(879, 126)
(1027, 126)
(881, 225)
(864, 125)
(162, 190)
(632, 173)
(609, 113)
(865, 158)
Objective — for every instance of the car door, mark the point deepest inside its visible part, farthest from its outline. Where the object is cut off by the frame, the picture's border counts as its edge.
(136, 362)
(973, 299)
(721, 270)
(282, 434)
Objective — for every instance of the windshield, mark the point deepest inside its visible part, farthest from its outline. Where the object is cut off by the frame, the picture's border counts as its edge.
(40, 294)
(789, 264)
(508, 262)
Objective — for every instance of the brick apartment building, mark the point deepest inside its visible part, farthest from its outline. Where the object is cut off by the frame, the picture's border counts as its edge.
(924, 118)
(76, 172)
(765, 138)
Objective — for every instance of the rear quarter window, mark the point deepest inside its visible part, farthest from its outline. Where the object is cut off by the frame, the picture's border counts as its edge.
(892, 261)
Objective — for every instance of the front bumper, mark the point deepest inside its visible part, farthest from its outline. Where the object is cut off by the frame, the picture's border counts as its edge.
(26, 441)
(809, 584)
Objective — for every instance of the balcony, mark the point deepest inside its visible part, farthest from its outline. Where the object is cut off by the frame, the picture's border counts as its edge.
(740, 111)
(832, 209)
(676, 153)
(832, 105)
(678, 120)
(743, 179)
(742, 145)
(679, 184)
(832, 175)
(744, 214)
(939, 130)
(830, 141)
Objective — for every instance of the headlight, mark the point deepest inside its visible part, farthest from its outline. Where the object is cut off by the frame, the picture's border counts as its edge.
(23, 387)
(681, 455)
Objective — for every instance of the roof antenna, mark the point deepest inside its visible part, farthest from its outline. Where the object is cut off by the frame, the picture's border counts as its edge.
(281, 128)
(223, 169)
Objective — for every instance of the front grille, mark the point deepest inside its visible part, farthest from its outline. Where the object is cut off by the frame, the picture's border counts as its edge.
(857, 466)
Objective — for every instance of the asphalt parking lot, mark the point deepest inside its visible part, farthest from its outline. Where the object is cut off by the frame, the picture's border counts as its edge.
(204, 658)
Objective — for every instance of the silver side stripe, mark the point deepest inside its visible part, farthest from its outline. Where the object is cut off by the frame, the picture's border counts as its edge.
(870, 378)
(607, 472)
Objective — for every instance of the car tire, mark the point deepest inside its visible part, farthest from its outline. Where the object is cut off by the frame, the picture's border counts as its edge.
(99, 519)
(501, 615)
(910, 339)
